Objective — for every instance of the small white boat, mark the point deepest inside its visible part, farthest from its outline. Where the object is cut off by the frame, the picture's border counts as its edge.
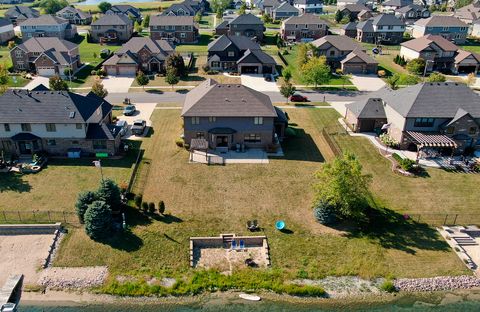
(250, 297)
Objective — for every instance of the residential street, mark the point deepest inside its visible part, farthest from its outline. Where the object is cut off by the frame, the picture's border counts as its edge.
(175, 97)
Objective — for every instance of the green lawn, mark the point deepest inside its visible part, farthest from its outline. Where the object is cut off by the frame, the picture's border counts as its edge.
(143, 6)
(206, 21)
(17, 81)
(291, 58)
(209, 200)
(200, 47)
(472, 46)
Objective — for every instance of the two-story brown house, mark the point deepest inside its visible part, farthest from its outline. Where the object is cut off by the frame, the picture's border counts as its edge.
(306, 27)
(247, 25)
(46, 56)
(112, 28)
(181, 29)
(139, 53)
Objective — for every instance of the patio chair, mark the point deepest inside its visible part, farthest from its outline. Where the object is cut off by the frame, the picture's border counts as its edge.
(242, 245)
(234, 245)
(252, 225)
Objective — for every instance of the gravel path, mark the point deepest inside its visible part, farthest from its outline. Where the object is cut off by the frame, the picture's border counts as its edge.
(437, 283)
(73, 277)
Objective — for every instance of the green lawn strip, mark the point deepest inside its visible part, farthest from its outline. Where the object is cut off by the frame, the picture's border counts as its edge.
(206, 21)
(17, 81)
(143, 6)
(200, 47)
(157, 247)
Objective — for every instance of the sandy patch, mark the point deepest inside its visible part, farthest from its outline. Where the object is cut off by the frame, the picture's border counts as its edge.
(23, 254)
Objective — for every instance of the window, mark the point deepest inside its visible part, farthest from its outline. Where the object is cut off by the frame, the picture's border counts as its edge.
(252, 138)
(231, 53)
(79, 126)
(423, 122)
(212, 119)
(258, 120)
(195, 120)
(99, 144)
(450, 130)
(182, 35)
(472, 130)
(26, 127)
(390, 27)
(50, 127)
(200, 135)
(445, 28)
(332, 53)
(7, 127)
(75, 142)
(51, 142)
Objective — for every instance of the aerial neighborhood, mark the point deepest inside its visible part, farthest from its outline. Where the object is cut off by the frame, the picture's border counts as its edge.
(265, 149)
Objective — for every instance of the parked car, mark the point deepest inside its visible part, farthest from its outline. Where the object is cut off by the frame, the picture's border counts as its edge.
(138, 127)
(124, 127)
(298, 98)
(129, 110)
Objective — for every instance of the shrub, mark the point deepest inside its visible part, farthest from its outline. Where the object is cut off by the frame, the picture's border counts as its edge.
(386, 139)
(381, 73)
(206, 68)
(109, 192)
(161, 207)
(93, 73)
(436, 77)
(151, 207)
(101, 72)
(83, 201)
(285, 52)
(304, 291)
(457, 249)
(138, 200)
(104, 54)
(404, 163)
(324, 212)
(179, 142)
(98, 220)
(416, 66)
(145, 206)
(388, 286)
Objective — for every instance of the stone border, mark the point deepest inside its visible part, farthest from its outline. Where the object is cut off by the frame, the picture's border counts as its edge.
(29, 229)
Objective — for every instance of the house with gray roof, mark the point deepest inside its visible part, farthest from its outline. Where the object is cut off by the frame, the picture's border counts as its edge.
(445, 116)
(56, 122)
(352, 10)
(285, 10)
(269, 6)
(227, 115)
(139, 53)
(180, 9)
(469, 13)
(346, 54)
(47, 26)
(449, 27)
(247, 25)
(381, 29)
(112, 28)
(391, 5)
(349, 30)
(19, 13)
(75, 16)
(440, 54)
(127, 10)
(46, 56)
(178, 29)
(239, 54)
(412, 13)
(304, 28)
(6, 30)
(309, 6)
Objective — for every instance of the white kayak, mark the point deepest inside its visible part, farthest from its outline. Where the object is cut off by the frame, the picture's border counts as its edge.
(250, 297)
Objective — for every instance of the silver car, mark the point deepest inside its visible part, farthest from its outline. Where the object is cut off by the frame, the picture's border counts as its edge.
(124, 127)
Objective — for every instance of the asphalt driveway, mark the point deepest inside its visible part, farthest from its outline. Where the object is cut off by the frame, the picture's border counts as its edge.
(367, 82)
(117, 84)
(257, 82)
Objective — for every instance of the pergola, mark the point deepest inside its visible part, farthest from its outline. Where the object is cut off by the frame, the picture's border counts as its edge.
(198, 145)
(426, 139)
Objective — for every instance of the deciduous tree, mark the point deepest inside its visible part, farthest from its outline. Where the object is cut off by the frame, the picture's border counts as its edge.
(57, 84)
(342, 184)
(99, 89)
(52, 6)
(436, 77)
(175, 64)
(287, 89)
(338, 16)
(416, 66)
(142, 79)
(316, 71)
(104, 6)
(171, 78)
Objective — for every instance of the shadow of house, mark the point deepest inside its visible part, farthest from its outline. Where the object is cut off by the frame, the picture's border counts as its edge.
(301, 146)
(14, 183)
(392, 231)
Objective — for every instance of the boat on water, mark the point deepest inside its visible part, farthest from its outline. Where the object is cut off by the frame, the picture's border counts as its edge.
(250, 297)
(9, 307)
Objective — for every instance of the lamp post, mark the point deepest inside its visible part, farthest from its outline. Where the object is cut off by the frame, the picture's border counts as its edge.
(425, 69)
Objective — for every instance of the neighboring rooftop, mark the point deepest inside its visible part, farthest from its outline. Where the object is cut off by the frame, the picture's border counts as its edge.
(397, 3)
(343, 43)
(246, 19)
(112, 19)
(305, 19)
(20, 10)
(135, 44)
(79, 13)
(440, 21)
(241, 42)
(419, 44)
(164, 20)
(409, 7)
(355, 8)
(46, 19)
(387, 20)
(41, 44)
(226, 100)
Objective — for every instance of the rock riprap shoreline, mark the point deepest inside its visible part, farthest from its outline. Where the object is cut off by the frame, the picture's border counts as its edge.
(85, 277)
(437, 283)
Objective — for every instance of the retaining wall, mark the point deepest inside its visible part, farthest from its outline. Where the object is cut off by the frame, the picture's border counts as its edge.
(29, 229)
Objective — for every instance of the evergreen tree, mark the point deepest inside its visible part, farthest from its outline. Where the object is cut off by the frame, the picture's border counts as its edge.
(109, 192)
(98, 220)
(83, 201)
(338, 16)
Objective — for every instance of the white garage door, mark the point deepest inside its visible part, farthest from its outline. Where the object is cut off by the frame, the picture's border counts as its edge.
(46, 71)
(126, 70)
(111, 70)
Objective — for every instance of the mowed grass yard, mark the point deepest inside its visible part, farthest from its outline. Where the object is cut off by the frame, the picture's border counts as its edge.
(56, 187)
(208, 200)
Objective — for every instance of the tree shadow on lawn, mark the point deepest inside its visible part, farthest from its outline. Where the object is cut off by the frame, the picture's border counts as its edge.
(392, 231)
(14, 182)
(125, 240)
(301, 146)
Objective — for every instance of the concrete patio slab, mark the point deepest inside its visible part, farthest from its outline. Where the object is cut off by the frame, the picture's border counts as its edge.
(251, 156)
(36, 81)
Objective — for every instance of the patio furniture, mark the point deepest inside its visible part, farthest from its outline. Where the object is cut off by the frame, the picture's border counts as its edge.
(252, 225)
(234, 245)
(280, 225)
(242, 245)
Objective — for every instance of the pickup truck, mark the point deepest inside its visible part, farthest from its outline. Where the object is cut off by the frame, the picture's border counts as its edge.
(138, 127)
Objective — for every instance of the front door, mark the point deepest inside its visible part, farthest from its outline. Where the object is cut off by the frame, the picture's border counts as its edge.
(154, 67)
(221, 141)
(25, 147)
